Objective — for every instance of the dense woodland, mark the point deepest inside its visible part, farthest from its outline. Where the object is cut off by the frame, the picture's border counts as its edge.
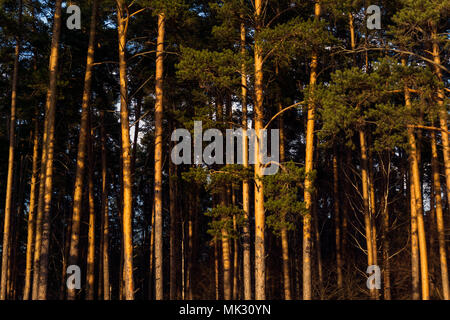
(85, 149)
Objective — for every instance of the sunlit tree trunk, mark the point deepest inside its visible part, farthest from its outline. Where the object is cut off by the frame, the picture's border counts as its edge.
(364, 177)
(439, 216)
(418, 203)
(260, 265)
(309, 166)
(443, 114)
(415, 266)
(158, 158)
(9, 179)
(49, 153)
(122, 22)
(31, 212)
(245, 186)
(366, 204)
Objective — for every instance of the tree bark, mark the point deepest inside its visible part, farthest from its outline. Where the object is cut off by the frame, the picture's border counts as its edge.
(309, 166)
(260, 265)
(245, 186)
(439, 217)
(122, 22)
(158, 158)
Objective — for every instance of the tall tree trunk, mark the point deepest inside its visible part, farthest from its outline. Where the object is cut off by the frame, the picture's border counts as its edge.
(122, 22)
(49, 151)
(365, 178)
(9, 181)
(31, 212)
(39, 216)
(415, 176)
(415, 265)
(158, 158)
(366, 205)
(443, 114)
(245, 186)
(81, 154)
(439, 216)
(260, 264)
(309, 166)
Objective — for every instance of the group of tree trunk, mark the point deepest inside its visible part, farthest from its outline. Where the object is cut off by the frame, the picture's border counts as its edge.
(364, 166)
